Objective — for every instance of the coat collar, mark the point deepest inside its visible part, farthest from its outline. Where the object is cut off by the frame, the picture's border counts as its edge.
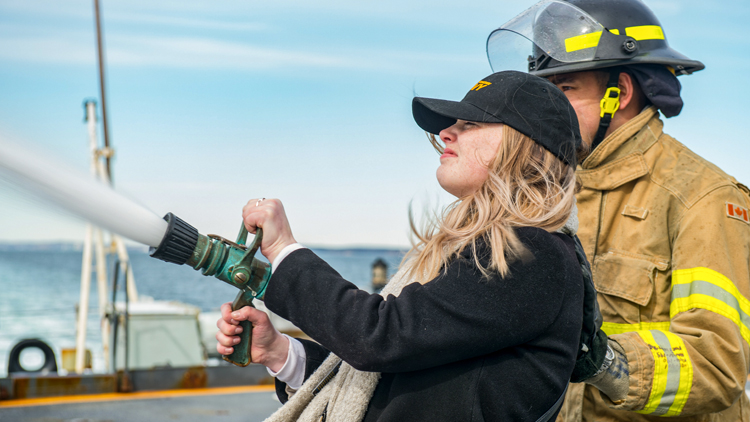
(619, 158)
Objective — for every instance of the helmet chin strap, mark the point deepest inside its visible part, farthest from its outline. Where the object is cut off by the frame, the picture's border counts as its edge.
(608, 105)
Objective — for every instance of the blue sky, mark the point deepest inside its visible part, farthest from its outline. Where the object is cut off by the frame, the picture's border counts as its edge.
(213, 103)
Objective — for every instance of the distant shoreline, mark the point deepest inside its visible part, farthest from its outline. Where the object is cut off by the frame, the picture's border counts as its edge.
(78, 247)
(39, 247)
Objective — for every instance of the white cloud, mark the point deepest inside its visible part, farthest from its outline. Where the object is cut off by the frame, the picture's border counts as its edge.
(193, 52)
(75, 48)
(59, 9)
(164, 34)
(176, 52)
(203, 13)
(66, 51)
(187, 22)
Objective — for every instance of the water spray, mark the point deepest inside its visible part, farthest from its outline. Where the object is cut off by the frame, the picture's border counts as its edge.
(171, 239)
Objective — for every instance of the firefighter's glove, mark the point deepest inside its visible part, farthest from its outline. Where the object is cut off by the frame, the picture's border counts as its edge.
(612, 378)
(590, 358)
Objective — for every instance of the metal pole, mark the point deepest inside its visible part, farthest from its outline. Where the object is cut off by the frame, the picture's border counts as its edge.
(125, 385)
(83, 302)
(97, 170)
(115, 316)
(122, 255)
(102, 85)
(101, 287)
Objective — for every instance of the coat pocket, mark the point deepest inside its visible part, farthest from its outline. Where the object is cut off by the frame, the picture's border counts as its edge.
(626, 284)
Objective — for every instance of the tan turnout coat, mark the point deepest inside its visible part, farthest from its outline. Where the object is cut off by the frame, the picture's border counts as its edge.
(668, 237)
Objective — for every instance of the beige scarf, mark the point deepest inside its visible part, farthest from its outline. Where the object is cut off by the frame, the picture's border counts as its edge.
(346, 397)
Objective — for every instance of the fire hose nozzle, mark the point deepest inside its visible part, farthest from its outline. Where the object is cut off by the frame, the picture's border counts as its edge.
(178, 243)
(231, 262)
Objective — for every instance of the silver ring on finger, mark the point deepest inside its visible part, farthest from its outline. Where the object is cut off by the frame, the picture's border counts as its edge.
(259, 201)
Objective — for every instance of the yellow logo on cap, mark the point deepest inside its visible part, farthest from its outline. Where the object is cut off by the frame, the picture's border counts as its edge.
(480, 85)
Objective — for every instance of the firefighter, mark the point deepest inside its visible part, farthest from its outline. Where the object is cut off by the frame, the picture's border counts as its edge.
(666, 232)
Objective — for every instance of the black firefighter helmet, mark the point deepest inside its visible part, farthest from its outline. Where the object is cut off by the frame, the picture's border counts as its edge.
(577, 35)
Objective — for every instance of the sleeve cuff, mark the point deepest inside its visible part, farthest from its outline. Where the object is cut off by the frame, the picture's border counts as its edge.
(640, 369)
(283, 254)
(293, 371)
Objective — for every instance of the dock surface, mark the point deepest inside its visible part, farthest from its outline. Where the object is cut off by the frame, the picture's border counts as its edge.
(228, 404)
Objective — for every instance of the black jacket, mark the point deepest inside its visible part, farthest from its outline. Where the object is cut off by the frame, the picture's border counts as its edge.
(459, 348)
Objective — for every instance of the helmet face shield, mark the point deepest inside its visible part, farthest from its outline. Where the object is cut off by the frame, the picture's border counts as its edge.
(556, 36)
(549, 29)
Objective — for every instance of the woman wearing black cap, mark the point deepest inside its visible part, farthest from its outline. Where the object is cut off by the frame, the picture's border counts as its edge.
(482, 321)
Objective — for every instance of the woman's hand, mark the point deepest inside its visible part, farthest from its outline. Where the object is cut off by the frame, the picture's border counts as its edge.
(268, 346)
(269, 215)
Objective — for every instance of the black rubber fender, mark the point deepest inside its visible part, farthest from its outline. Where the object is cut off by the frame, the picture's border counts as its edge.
(14, 362)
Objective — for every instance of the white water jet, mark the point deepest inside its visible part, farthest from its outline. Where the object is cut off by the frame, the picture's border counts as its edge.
(80, 194)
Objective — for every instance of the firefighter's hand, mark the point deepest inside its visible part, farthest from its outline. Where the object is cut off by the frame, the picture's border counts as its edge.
(268, 346)
(269, 215)
(613, 378)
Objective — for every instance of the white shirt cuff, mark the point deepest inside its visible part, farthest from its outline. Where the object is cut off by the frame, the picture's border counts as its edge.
(283, 254)
(293, 371)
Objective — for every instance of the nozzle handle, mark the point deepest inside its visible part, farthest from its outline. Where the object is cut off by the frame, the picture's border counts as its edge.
(241, 354)
(242, 239)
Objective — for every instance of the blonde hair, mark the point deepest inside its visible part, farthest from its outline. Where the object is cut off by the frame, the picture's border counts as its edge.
(527, 186)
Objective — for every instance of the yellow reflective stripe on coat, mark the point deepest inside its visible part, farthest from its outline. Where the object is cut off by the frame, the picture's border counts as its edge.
(611, 328)
(707, 289)
(639, 33)
(673, 374)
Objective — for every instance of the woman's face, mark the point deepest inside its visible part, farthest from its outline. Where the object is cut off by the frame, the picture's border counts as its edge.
(469, 148)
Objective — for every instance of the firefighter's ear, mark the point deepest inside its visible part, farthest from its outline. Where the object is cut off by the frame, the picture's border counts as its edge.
(630, 93)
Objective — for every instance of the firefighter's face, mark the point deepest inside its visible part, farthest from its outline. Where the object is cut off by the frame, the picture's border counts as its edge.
(584, 91)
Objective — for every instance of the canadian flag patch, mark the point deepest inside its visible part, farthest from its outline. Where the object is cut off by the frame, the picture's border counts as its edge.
(738, 212)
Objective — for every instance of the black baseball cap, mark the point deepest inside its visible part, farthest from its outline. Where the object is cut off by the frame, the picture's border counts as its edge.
(527, 103)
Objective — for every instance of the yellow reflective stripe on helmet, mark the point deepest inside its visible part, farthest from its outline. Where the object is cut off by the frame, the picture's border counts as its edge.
(673, 374)
(580, 42)
(645, 32)
(611, 328)
(639, 33)
(707, 289)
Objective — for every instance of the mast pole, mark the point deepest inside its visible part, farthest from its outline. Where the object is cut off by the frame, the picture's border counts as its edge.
(102, 87)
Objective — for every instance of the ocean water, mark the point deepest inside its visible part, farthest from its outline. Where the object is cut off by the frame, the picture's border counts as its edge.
(39, 291)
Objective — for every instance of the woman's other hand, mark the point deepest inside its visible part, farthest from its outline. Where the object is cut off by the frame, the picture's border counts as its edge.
(268, 346)
(269, 215)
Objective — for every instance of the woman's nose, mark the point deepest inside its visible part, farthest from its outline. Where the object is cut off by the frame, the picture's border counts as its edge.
(447, 135)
